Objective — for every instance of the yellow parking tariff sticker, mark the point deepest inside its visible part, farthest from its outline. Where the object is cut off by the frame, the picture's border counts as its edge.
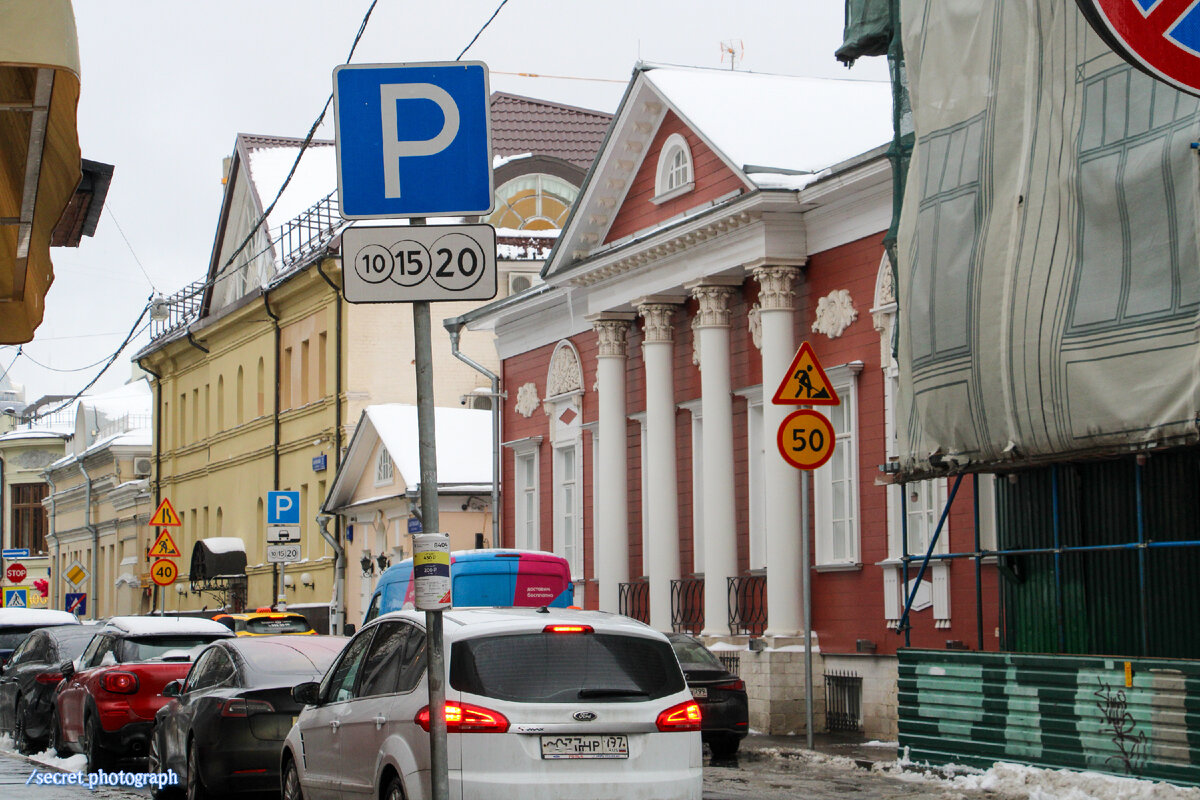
(431, 571)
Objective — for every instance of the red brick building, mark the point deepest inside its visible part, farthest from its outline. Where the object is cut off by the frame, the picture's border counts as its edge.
(727, 218)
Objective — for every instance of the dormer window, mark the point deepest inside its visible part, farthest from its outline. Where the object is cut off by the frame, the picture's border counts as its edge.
(383, 468)
(674, 170)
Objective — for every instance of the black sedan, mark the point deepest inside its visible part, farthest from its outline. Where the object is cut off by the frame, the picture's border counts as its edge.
(223, 730)
(724, 712)
(28, 681)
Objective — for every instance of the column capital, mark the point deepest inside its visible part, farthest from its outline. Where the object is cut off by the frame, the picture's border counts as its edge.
(714, 305)
(657, 316)
(775, 284)
(612, 331)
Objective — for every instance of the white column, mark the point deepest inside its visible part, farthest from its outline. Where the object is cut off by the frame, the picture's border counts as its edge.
(661, 540)
(782, 481)
(720, 526)
(611, 540)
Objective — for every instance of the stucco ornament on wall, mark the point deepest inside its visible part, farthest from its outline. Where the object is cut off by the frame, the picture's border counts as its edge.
(835, 313)
(754, 316)
(564, 381)
(527, 399)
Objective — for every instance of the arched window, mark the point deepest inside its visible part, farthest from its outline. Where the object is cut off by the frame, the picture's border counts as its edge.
(674, 176)
(241, 396)
(262, 383)
(533, 203)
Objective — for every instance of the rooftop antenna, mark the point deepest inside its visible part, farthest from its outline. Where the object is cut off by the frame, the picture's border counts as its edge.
(734, 50)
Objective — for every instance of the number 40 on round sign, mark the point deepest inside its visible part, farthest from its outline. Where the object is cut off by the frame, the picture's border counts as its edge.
(806, 439)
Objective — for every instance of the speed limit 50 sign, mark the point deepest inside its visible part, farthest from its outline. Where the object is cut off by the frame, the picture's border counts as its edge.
(410, 263)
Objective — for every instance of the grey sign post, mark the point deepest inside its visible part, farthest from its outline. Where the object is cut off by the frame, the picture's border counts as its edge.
(380, 175)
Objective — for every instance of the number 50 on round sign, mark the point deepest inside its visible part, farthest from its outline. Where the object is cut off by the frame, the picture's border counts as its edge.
(806, 439)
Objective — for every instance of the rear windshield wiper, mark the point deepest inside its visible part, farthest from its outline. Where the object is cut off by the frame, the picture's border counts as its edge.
(613, 693)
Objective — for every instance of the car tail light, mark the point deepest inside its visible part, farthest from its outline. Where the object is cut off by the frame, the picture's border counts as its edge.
(682, 717)
(240, 707)
(567, 629)
(466, 718)
(733, 686)
(49, 678)
(119, 682)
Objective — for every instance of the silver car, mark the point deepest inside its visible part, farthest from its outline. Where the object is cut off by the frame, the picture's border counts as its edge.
(552, 703)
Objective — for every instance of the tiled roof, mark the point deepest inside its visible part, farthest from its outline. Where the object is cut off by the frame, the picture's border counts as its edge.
(527, 125)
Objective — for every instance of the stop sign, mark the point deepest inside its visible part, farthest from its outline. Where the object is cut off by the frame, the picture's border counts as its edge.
(15, 573)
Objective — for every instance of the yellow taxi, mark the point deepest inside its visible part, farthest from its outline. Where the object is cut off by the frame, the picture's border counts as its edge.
(265, 622)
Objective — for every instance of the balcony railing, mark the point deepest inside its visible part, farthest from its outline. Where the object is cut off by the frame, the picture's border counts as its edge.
(687, 605)
(178, 310)
(633, 600)
(748, 605)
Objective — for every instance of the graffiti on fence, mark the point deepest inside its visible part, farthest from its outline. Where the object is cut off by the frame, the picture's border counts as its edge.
(1131, 744)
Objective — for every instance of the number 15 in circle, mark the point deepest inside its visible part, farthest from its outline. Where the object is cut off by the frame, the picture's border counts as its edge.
(806, 439)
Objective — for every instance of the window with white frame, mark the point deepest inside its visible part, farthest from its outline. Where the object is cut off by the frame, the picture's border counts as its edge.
(694, 407)
(568, 527)
(526, 496)
(756, 446)
(383, 468)
(835, 485)
(674, 176)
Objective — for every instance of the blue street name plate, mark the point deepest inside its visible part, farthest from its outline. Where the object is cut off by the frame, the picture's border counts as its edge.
(413, 140)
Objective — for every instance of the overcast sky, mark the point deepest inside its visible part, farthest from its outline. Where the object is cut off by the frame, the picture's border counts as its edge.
(167, 85)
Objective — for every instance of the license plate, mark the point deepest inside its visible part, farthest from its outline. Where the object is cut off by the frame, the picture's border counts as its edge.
(585, 747)
(699, 692)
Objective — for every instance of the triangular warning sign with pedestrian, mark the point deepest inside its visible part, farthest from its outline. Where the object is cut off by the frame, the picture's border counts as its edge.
(805, 383)
(164, 546)
(165, 514)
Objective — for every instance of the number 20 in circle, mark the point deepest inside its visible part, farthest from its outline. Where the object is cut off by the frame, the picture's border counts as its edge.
(164, 571)
(806, 439)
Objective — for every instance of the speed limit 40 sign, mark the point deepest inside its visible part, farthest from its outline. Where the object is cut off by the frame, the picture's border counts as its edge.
(409, 263)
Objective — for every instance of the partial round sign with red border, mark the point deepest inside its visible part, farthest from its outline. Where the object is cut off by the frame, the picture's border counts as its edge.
(15, 572)
(1162, 37)
(164, 572)
(806, 439)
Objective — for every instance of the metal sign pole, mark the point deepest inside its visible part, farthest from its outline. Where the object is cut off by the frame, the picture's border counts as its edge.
(435, 658)
(806, 590)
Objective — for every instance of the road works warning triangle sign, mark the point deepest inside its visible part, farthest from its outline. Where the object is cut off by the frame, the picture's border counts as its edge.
(164, 546)
(165, 514)
(805, 383)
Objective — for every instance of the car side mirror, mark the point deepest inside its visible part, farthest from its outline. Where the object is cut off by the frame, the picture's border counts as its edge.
(173, 689)
(307, 694)
(67, 668)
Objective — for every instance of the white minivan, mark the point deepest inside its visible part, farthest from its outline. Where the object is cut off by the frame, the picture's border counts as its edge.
(540, 703)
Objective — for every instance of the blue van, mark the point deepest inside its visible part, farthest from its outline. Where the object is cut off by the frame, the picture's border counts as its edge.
(490, 577)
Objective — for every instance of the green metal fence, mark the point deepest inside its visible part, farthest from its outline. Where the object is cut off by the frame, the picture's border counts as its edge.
(1068, 711)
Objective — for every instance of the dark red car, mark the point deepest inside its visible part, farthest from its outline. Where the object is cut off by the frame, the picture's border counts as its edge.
(106, 704)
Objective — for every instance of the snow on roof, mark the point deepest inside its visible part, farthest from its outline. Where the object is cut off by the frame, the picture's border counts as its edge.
(36, 616)
(316, 177)
(224, 544)
(16, 435)
(139, 626)
(463, 437)
(779, 121)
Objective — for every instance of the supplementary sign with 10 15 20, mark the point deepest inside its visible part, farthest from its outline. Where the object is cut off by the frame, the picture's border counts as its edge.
(283, 553)
(404, 264)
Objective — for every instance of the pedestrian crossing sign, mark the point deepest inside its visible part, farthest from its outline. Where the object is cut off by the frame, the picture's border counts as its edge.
(805, 382)
(165, 514)
(164, 546)
(16, 597)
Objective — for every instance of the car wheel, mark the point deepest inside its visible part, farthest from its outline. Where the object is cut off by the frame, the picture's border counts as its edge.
(195, 783)
(97, 757)
(725, 747)
(395, 789)
(154, 764)
(53, 746)
(21, 738)
(291, 781)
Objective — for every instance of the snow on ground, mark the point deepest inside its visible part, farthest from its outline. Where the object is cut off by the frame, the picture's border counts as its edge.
(76, 763)
(1021, 782)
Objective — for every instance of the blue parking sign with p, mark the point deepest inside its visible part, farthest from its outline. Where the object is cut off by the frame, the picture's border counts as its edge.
(283, 508)
(413, 139)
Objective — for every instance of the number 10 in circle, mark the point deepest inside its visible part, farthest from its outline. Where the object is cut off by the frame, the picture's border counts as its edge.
(806, 439)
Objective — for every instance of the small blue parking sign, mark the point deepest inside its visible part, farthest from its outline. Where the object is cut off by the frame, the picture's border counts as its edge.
(283, 508)
(413, 140)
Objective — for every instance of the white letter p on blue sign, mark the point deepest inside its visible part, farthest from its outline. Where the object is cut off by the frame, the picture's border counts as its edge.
(283, 508)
